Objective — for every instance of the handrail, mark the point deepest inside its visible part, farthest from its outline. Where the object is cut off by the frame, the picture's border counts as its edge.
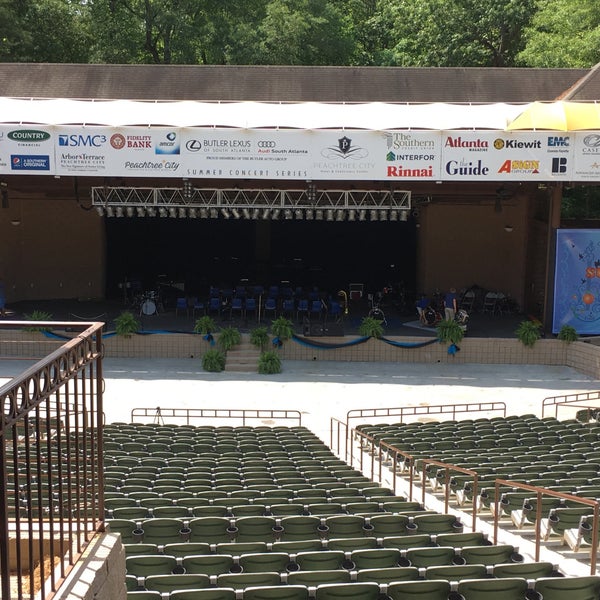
(558, 401)
(545, 492)
(159, 414)
(336, 426)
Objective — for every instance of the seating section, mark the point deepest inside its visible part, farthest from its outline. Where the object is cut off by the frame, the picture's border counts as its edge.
(271, 513)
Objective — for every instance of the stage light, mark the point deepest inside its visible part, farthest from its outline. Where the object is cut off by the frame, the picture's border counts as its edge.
(266, 213)
(383, 215)
(310, 215)
(236, 213)
(255, 213)
(288, 214)
(362, 215)
(319, 215)
(394, 215)
(225, 213)
(110, 211)
(276, 214)
(100, 210)
(162, 211)
(172, 212)
(120, 212)
(151, 211)
(141, 212)
(214, 213)
(373, 215)
(351, 215)
(246, 213)
(299, 214)
(329, 214)
(340, 215)
(404, 215)
(182, 212)
(192, 213)
(204, 213)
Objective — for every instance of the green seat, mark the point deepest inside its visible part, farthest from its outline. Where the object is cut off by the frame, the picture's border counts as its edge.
(162, 531)
(181, 549)
(456, 572)
(340, 526)
(220, 593)
(264, 561)
(510, 588)
(418, 540)
(239, 581)
(207, 564)
(348, 591)
(351, 544)
(570, 588)
(281, 592)
(388, 574)
(320, 560)
(427, 557)
(210, 529)
(181, 581)
(300, 528)
(377, 558)
(415, 590)
(528, 570)
(142, 565)
(490, 555)
(316, 578)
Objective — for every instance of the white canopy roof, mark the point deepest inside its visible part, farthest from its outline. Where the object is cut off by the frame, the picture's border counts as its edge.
(251, 115)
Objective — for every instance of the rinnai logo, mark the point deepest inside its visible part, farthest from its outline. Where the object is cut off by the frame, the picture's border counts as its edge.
(76, 140)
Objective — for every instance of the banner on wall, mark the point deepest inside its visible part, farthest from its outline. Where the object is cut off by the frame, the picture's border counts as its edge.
(577, 281)
(295, 154)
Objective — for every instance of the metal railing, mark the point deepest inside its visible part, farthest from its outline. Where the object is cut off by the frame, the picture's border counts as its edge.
(51, 459)
(571, 400)
(187, 416)
(341, 430)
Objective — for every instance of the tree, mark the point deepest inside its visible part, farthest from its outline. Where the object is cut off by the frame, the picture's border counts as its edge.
(455, 32)
(563, 33)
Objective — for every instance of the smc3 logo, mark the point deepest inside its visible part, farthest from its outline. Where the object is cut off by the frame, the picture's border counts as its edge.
(94, 141)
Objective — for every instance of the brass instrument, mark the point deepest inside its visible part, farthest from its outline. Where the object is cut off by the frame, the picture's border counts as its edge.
(344, 296)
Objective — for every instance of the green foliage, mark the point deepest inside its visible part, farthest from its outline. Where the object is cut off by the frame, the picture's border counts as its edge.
(38, 315)
(259, 337)
(269, 363)
(568, 334)
(205, 324)
(282, 328)
(213, 361)
(528, 332)
(126, 324)
(228, 338)
(449, 331)
(371, 327)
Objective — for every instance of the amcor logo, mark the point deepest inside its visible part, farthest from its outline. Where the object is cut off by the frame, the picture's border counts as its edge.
(28, 135)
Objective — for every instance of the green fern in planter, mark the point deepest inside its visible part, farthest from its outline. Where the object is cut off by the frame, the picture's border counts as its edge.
(228, 338)
(282, 330)
(450, 331)
(205, 324)
(38, 315)
(269, 363)
(528, 333)
(126, 324)
(371, 327)
(213, 361)
(568, 334)
(259, 337)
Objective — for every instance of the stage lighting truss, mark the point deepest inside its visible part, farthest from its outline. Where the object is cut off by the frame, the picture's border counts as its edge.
(253, 204)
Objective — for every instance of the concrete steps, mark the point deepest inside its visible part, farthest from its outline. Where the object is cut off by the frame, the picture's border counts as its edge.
(243, 358)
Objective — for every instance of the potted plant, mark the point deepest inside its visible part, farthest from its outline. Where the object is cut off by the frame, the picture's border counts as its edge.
(371, 327)
(228, 338)
(213, 361)
(282, 330)
(38, 315)
(259, 337)
(528, 332)
(450, 332)
(568, 334)
(126, 324)
(206, 325)
(269, 363)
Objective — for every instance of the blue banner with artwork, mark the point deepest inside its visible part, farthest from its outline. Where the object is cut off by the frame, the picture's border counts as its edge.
(577, 281)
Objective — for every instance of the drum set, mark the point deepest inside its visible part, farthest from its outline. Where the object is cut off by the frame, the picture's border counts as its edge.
(149, 303)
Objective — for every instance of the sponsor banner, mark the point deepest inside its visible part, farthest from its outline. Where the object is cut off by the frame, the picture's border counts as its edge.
(577, 281)
(412, 155)
(80, 150)
(27, 150)
(499, 155)
(586, 156)
(246, 154)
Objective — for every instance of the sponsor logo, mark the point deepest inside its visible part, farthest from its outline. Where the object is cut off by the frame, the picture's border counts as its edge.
(193, 145)
(345, 150)
(21, 162)
(500, 144)
(591, 144)
(28, 135)
(231, 144)
(477, 145)
(266, 144)
(520, 166)
(169, 145)
(401, 171)
(117, 141)
(558, 141)
(406, 141)
(559, 166)
(151, 165)
(95, 141)
(455, 167)
(392, 157)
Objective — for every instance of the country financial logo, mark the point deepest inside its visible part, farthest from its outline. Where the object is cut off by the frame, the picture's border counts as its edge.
(344, 150)
(28, 136)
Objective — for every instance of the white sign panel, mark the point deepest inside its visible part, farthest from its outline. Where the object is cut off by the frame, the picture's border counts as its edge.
(499, 155)
(586, 156)
(26, 150)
